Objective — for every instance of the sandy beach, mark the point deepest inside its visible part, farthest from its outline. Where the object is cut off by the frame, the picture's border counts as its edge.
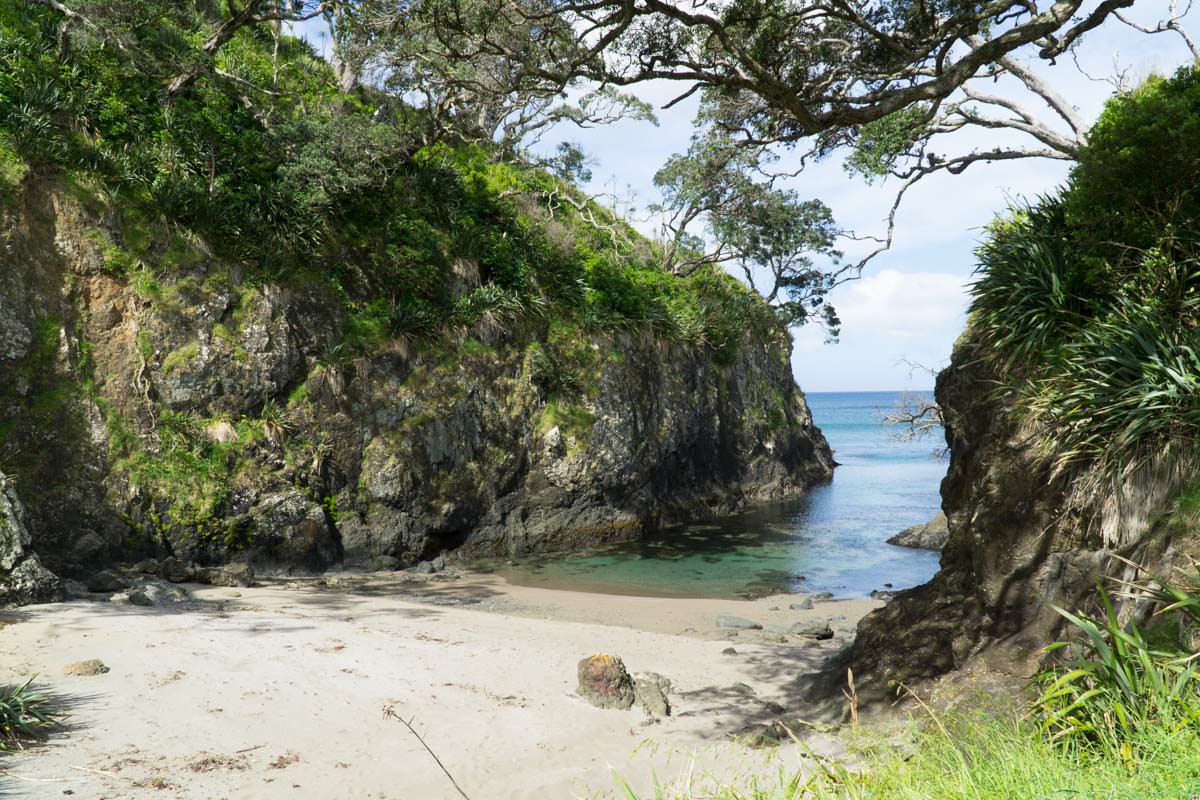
(278, 690)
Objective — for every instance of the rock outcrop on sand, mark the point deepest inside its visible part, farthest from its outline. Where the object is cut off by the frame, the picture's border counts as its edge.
(202, 418)
(605, 683)
(23, 579)
(1019, 540)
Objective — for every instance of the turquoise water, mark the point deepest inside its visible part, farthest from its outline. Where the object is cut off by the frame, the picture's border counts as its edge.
(833, 539)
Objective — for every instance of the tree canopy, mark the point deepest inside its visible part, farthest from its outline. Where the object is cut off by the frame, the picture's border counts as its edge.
(883, 81)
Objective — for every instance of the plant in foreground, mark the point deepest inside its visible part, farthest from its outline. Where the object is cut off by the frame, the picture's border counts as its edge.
(1123, 682)
(26, 714)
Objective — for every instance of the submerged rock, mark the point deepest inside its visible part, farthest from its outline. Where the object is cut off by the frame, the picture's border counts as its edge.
(605, 683)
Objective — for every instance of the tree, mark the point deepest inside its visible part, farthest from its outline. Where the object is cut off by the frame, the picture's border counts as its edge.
(887, 80)
(769, 234)
(477, 72)
(119, 23)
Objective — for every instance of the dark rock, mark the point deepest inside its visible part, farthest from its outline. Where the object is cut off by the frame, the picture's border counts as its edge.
(879, 594)
(1012, 549)
(457, 460)
(23, 579)
(821, 597)
(930, 536)
(148, 566)
(812, 629)
(773, 708)
(106, 581)
(729, 651)
(605, 683)
(737, 623)
(156, 593)
(177, 570)
(425, 568)
(237, 574)
(293, 531)
(651, 691)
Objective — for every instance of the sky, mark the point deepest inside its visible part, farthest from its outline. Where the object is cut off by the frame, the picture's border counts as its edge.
(909, 305)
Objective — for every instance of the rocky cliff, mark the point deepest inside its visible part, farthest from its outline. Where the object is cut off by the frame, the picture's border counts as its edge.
(187, 410)
(1021, 537)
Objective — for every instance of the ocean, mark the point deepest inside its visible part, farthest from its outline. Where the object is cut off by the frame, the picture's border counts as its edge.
(833, 539)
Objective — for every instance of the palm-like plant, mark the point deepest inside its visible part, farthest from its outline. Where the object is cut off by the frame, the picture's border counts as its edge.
(1120, 686)
(26, 714)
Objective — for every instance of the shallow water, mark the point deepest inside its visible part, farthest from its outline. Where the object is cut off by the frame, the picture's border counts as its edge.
(834, 539)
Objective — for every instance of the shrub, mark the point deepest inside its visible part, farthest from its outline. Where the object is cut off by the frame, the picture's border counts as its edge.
(26, 714)
(1137, 183)
(1119, 688)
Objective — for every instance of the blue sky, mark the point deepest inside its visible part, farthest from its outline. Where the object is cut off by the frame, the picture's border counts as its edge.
(909, 306)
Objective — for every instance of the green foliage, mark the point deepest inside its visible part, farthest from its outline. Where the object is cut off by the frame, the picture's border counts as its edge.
(1120, 687)
(307, 183)
(1137, 183)
(879, 144)
(1126, 386)
(966, 756)
(1087, 303)
(26, 714)
(1029, 295)
(188, 475)
(773, 236)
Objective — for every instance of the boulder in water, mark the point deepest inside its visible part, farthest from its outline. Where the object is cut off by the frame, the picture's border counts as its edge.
(930, 536)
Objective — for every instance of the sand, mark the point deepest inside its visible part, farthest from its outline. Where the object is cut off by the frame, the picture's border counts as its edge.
(278, 691)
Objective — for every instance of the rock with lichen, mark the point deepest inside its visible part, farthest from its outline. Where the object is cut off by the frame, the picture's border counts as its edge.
(605, 683)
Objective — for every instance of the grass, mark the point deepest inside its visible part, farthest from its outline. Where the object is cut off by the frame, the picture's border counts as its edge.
(973, 757)
(1121, 721)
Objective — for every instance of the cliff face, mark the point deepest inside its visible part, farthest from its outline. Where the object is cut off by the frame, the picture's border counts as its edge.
(1021, 538)
(186, 411)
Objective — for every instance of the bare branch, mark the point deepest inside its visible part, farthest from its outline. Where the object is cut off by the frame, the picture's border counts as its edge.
(1173, 23)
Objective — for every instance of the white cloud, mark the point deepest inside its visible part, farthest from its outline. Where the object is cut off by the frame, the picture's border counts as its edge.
(891, 319)
(901, 305)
